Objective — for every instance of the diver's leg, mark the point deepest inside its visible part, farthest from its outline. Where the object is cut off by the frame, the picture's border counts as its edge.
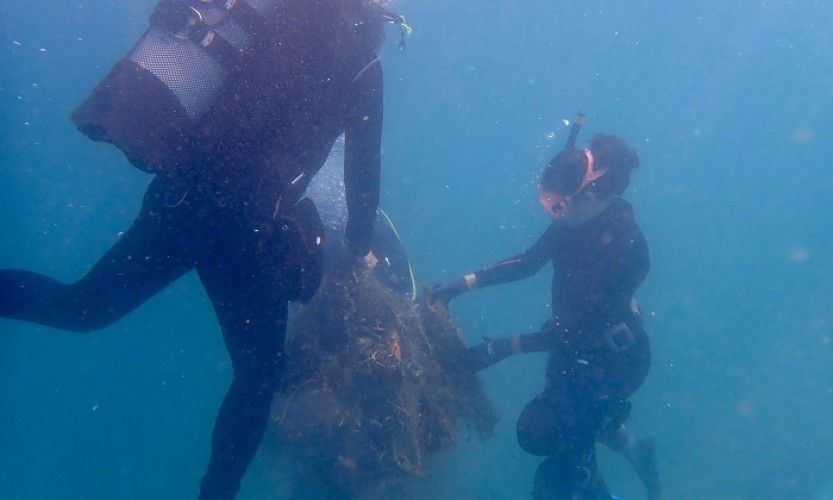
(626, 374)
(570, 476)
(562, 424)
(143, 261)
(640, 453)
(252, 308)
(559, 430)
(551, 482)
(546, 428)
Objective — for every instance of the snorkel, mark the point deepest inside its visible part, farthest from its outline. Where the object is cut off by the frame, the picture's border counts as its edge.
(575, 130)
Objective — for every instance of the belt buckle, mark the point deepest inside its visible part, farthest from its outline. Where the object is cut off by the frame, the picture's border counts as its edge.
(619, 337)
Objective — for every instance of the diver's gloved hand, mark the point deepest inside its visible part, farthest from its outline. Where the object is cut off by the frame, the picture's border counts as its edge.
(447, 290)
(488, 353)
(368, 262)
(359, 258)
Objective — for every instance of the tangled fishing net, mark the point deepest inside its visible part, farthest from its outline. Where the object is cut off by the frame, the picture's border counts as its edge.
(372, 387)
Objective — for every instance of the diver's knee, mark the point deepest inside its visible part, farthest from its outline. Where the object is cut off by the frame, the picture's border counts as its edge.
(539, 431)
(87, 318)
(89, 324)
(82, 310)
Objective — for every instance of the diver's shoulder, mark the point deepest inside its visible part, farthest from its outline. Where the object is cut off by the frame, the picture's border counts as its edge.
(621, 214)
(621, 209)
(620, 205)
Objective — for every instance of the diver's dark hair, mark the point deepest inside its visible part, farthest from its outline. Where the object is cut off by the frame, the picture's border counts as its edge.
(613, 153)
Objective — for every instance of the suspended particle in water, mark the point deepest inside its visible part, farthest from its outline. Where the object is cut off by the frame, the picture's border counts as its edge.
(747, 408)
(798, 255)
(565, 122)
(801, 135)
(820, 323)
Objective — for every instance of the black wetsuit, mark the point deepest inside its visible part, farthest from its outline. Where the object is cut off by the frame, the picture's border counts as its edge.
(599, 353)
(304, 90)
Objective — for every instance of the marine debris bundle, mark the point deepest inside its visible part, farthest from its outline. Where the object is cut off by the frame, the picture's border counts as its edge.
(372, 387)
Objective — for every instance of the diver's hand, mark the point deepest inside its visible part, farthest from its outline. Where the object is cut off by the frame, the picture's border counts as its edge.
(488, 353)
(357, 258)
(367, 262)
(447, 290)
(370, 260)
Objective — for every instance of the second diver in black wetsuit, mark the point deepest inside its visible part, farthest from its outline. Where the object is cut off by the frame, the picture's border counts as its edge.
(599, 352)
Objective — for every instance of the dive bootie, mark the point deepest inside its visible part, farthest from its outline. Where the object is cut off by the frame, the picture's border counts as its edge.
(646, 467)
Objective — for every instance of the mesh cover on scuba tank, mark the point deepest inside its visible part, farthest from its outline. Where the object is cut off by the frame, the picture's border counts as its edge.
(187, 70)
(151, 102)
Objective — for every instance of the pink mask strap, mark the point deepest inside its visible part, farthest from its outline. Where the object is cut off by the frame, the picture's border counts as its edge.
(592, 174)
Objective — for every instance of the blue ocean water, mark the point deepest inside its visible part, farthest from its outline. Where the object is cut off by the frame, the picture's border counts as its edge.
(728, 104)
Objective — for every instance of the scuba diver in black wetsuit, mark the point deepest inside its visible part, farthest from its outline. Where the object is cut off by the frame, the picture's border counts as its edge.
(599, 352)
(233, 146)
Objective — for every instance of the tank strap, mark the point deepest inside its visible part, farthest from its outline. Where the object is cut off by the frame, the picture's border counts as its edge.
(186, 23)
(245, 15)
(173, 16)
(226, 54)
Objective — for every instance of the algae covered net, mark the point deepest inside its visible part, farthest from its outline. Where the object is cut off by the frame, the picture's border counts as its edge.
(372, 387)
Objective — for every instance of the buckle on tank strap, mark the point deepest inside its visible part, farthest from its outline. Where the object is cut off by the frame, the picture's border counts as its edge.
(245, 15)
(619, 337)
(208, 39)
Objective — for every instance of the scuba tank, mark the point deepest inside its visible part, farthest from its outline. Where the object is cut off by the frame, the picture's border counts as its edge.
(151, 102)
